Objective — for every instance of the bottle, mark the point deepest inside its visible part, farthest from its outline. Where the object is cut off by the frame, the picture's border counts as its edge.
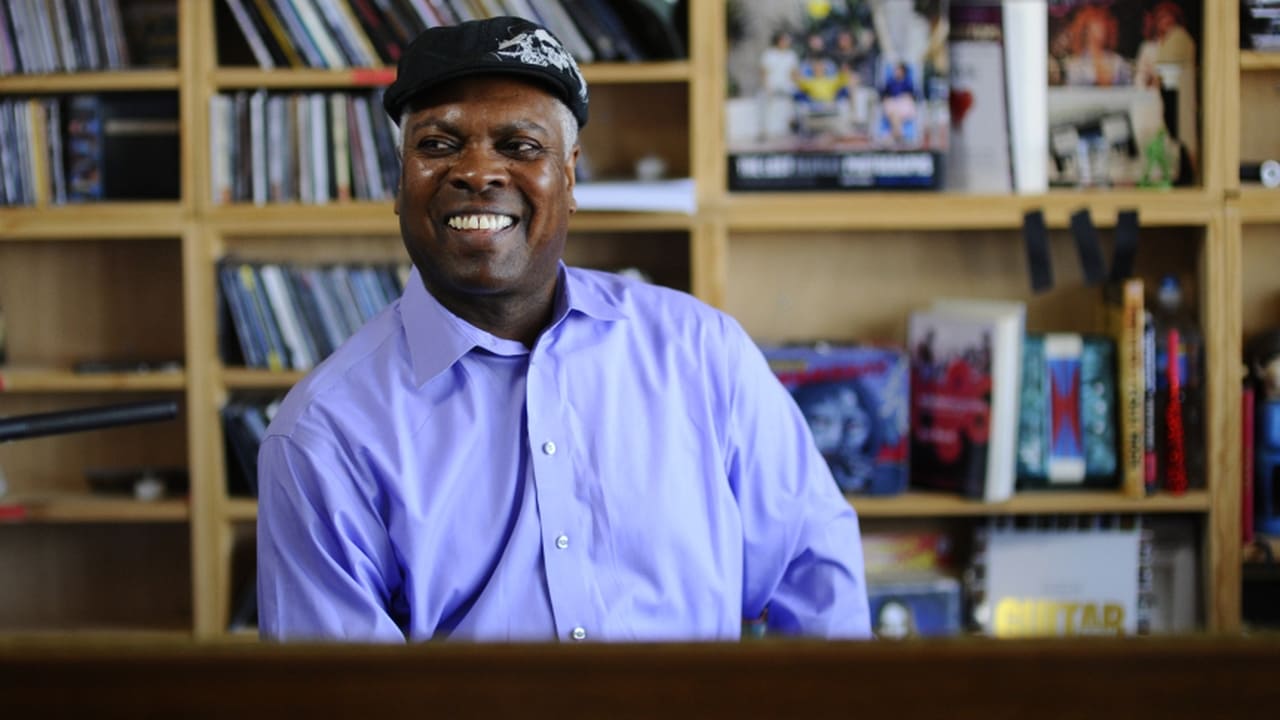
(1179, 399)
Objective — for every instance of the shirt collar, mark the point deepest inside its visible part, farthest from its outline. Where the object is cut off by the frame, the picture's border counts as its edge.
(437, 338)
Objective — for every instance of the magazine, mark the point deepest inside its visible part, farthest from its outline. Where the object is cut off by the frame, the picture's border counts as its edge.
(837, 95)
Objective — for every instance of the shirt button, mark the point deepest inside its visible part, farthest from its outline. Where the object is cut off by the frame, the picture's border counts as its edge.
(562, 542)
(549, 447)
(578, 634)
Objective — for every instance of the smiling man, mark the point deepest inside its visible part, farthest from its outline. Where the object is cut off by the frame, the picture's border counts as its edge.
(521, 450)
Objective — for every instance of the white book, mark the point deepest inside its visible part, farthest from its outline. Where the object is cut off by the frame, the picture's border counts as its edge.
(319, 112)
(966, 357)
(291, 326)
(339, 134)
(320, 35)
(1026, 45)
(674, 195)
(89, 34)
(258, 146)
(1062, 581)
(251, 35)
(66, 44)
(305, 153)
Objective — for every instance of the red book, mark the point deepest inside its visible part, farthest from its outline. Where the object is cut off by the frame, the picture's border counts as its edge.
(1176, 463)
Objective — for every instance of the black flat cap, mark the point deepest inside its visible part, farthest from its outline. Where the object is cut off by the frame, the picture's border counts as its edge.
(503, 45)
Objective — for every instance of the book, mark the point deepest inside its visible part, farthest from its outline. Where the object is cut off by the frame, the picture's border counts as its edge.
(251, 33)
(1025, 54)
(671, 195)
(1062, 576)
(1121, 98)
(1066, 420)
(914, 605)
(978, 159)
(1125, 320)
(966, 358)
(854, 398)
(825, 96)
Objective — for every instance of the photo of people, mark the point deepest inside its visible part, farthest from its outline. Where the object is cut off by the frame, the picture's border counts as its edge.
(1122, 92)
(832, 78)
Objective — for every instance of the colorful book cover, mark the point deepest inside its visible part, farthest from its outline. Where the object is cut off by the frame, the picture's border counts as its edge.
(966, 358)
(855, 400)
(1126, 322)
(825, 95)
(914, 605)
(1122, 92)
(1067, 417)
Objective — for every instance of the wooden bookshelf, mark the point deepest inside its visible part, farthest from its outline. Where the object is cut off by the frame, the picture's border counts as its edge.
(787, 265)
(85, 508)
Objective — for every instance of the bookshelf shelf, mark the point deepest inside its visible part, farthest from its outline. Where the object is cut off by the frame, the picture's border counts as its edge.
(921, 504)
(296, 219)
(60, 380)
(90, 82)
(1259, 205)
(241, 509)
(229, 78)
(239, 378)
(1255, 60)
(86, 508)
(933, 211)
(105, 221)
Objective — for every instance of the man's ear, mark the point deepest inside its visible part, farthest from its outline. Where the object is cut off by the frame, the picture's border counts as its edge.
(399, 183)
(571, 176)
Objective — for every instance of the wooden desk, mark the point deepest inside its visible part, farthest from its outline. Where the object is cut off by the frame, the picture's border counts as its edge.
(1165, 678)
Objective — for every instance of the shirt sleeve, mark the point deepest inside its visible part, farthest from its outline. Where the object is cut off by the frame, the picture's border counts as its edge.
(324, 557)
(802, 547)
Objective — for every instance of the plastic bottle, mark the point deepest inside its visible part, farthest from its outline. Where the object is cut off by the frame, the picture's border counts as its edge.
(1179, 400)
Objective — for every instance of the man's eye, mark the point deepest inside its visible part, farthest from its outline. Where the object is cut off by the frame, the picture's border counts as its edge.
(522, 147)
(433, 144)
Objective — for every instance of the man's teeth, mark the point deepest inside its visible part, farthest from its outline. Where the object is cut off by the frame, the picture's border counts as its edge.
(480, 222)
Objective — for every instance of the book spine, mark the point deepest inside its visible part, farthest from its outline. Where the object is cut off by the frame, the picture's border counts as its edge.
(278, 30)
(1128, 327)
(251, 35)
(1176, 459)
(341, 146)
(1150, 463)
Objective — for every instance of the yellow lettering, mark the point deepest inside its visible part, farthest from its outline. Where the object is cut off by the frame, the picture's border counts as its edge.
(1089, 617)
(1113, 618)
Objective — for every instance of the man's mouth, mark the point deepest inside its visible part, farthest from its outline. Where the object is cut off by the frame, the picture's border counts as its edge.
(480, 221)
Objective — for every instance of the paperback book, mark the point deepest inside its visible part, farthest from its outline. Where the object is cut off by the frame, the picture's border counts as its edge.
(837, 95)
(855, 400)
(966, 358)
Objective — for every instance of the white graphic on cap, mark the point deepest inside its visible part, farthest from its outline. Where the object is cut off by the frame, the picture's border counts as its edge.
(540, 48)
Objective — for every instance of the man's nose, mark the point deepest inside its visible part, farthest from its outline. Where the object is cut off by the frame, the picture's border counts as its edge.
(478, 169)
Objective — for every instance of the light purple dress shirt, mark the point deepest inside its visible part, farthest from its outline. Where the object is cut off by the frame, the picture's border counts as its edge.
(639, 474)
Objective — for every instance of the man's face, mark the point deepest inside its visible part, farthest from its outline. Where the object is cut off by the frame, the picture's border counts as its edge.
(486, 189)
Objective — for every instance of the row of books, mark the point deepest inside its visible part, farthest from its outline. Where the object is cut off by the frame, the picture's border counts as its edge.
(980, 408)
(307, 147)
(24, 168)
(84, 148)
(48, 36)
(289, 317)
(367, 33)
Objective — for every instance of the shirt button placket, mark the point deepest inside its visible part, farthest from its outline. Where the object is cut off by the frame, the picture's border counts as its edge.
(578, 634)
